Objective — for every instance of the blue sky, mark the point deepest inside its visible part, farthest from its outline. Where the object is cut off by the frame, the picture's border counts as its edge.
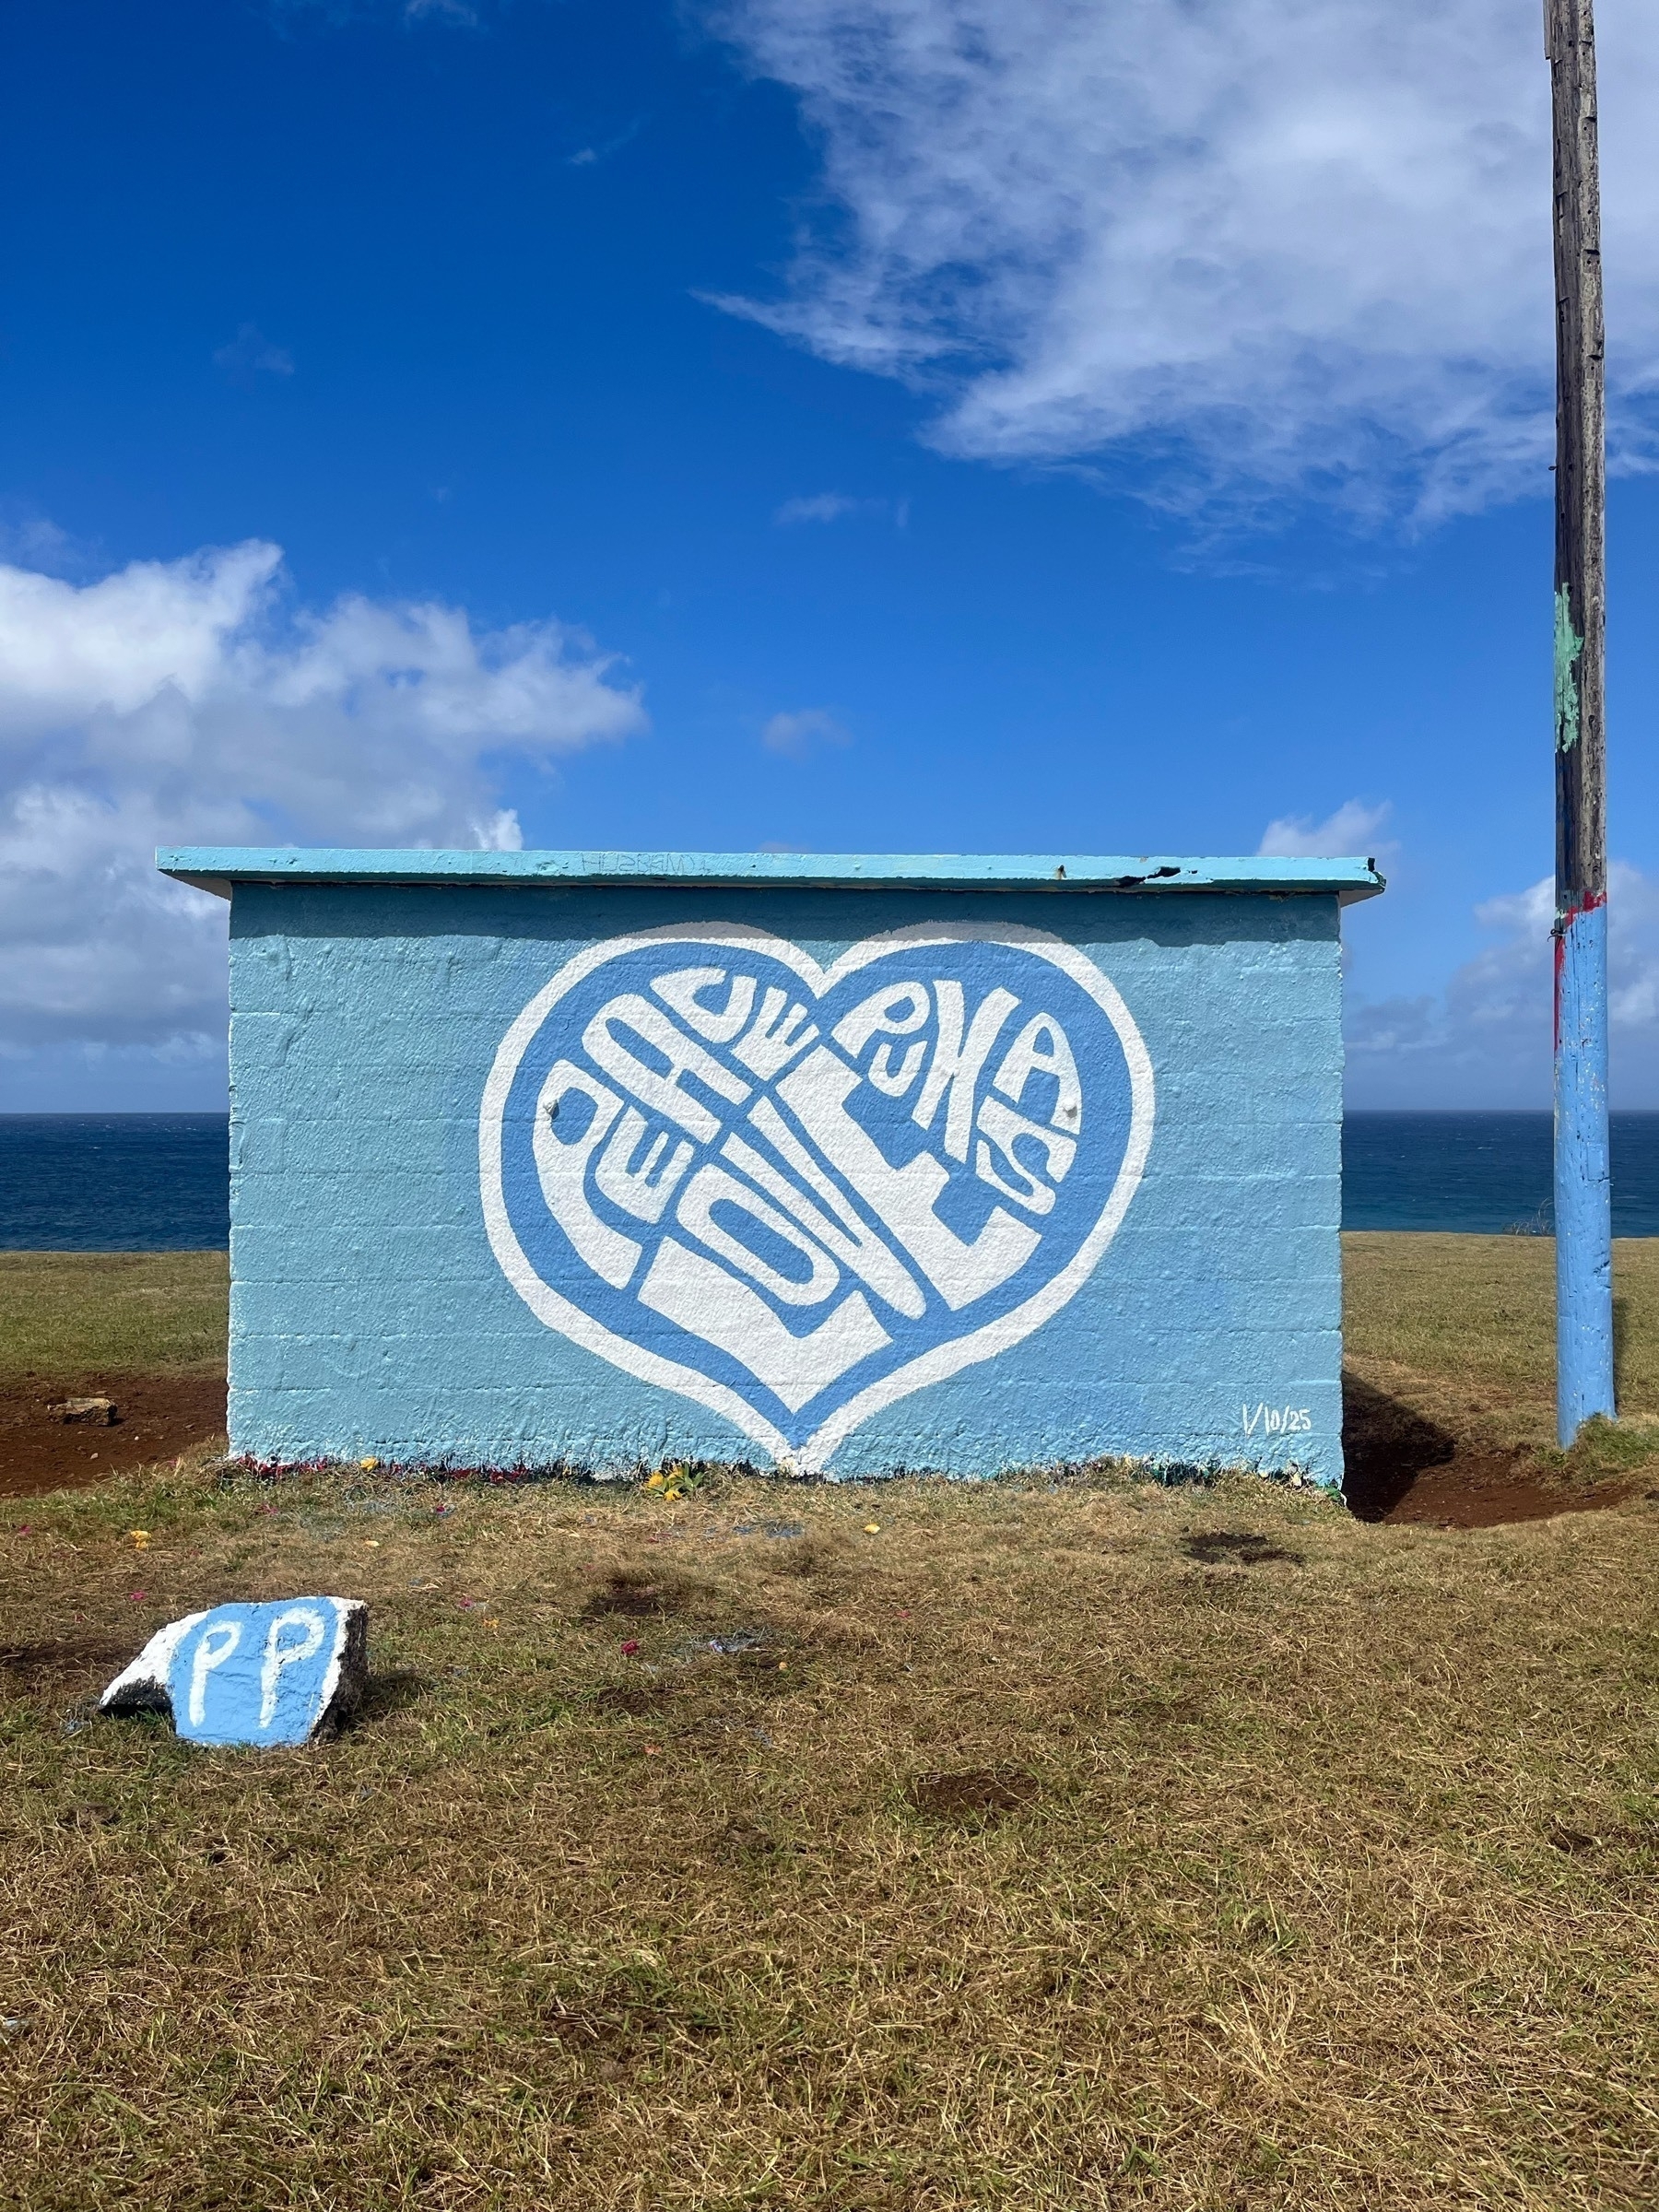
(738, 445)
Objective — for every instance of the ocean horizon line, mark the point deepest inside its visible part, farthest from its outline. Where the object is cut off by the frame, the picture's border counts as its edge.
(159, 1179)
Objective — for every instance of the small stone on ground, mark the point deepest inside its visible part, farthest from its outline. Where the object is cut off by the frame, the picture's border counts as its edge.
(100, 1412)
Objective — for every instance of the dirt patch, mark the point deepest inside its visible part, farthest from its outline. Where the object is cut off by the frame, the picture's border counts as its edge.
(975, 1793)
(1235, 1548)
(1572, 1839)
(156, 1416)
(767, 1670)
(88, 1816)
(1402, 1468)
(1476, 1491)
(634, 1597)
(745, 1842)
(617, 1697)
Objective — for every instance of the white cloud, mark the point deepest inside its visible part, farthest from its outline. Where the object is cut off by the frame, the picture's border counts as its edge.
(795, 734)
(1270, 245)
(252, 354)
(835, 507)
(1350, 832)
(185, 701)
(585, 157)
(1486, 1039)
(822, 507)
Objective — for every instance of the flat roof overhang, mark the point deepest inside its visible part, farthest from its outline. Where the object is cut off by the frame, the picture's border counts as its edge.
(217, 867)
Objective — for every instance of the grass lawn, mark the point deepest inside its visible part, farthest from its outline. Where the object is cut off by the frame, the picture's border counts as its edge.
(76, 1313)
(1462, 1329)
(1006, 1846)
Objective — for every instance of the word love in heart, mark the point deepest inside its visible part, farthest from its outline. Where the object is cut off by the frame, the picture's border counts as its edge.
(794, 1193)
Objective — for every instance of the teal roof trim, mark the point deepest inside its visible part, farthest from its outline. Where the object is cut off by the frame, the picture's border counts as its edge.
(217, 867)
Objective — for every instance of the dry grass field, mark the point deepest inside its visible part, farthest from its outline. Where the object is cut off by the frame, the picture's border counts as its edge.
(1035, 1846)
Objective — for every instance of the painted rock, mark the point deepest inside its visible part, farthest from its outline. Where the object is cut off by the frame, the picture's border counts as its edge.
(274, 1674)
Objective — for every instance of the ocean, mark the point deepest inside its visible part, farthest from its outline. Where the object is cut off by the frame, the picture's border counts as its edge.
(1483, 1172)
(114, 1182)
(159, 1181)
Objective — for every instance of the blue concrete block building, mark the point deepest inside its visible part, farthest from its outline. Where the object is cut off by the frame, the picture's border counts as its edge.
(840, 1165)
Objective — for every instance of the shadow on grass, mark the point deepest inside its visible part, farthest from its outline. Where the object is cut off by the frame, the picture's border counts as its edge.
(30, 1664)
(1385, 1446)
(385, 1694)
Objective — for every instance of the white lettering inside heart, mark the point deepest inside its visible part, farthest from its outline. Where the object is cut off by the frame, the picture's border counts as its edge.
(795, 1194)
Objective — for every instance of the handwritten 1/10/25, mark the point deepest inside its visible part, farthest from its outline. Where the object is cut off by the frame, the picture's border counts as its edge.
(1276, 1420)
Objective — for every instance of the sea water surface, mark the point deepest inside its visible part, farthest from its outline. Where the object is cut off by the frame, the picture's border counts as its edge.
(160, 1181)
(114, 1182)
(1483, 1172)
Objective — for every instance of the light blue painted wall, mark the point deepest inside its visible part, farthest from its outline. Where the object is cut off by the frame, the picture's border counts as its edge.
(370, 1315)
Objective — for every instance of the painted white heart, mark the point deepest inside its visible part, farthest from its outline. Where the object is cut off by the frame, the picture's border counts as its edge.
(797, 1194)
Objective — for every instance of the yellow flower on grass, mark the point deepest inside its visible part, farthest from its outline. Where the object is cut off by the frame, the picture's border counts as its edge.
(140, 1536)
(368, 1466)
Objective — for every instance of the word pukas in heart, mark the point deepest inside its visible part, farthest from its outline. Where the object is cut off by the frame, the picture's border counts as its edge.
(795, 1194)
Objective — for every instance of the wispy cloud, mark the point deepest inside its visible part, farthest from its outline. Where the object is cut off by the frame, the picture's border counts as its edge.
(461, 15)
(1349, 833)
(585, 157)
(189, 700)
(1259, 249)
(836, 507)
(796, 734)
(822, 507)
(34, 541)
(251, 355)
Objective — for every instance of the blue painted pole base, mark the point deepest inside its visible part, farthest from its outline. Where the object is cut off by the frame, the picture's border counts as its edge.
(1583, 1211)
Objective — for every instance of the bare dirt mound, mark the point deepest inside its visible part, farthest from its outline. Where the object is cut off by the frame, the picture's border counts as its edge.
(1402, 1468)
(976, 1794)
(156, 1416)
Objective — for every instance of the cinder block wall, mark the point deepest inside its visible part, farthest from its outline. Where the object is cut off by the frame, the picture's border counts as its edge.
(371, 1314)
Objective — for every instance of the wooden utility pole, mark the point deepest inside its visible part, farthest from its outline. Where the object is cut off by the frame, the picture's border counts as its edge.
(1582, 1187)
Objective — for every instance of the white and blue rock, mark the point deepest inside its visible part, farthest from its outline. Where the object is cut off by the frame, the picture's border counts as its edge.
(265, 1674)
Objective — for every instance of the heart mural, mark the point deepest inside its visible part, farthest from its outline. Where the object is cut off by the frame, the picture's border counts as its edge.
(797, 1194)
